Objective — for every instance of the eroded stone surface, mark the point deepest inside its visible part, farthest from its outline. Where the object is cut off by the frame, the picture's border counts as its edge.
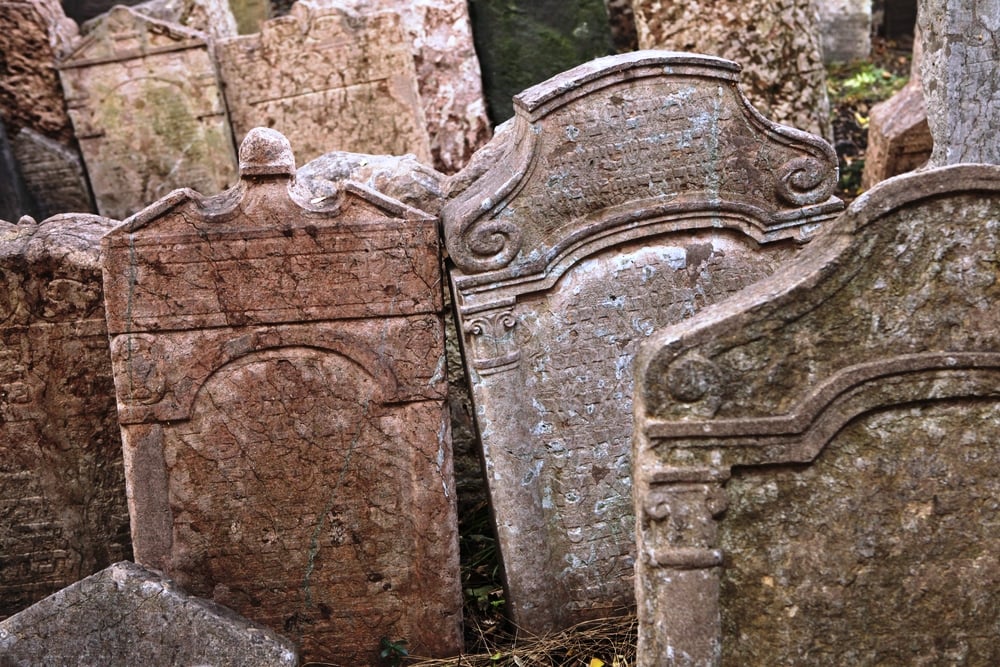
(126, 614)
(628, 193)
(148, 111)
(960, 73)
(33, 33)
(777, 42)
(870, 364)
(845, 29)
(281, 385)
(14, 198)
(62, 488)
(449, 78)
(53, 173)
(330, 80)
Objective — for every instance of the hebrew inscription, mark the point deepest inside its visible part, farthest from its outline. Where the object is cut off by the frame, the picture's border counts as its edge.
(330, 80)
(629, 194)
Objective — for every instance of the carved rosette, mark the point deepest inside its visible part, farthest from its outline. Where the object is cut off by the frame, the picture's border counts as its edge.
(491, 339)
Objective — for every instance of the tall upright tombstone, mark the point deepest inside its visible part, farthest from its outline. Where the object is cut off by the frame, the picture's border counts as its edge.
(815, 460)
(629, 192)
(281, 392)
(62, 485)
(329, 79)
(778, 43)
(148, 111)
(960, 73)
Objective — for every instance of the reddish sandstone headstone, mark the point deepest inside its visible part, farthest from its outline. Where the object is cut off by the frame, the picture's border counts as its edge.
(816, 459)
(148, 111)
(329, 79)
(280, 377)
(62, 487)
(628, 193)
(899, 139)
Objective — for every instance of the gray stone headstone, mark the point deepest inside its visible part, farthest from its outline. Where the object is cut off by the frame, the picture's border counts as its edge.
(960, 73)
(127, 615)
(53, 174)
(627, 193)
(845, 27)
(815, 460)
(14, 198)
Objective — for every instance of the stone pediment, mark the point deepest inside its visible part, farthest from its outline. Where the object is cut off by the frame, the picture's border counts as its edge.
(125, 34)
(600, 152)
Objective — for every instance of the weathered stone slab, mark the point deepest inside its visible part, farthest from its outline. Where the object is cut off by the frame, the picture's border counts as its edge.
(628, 193)
(329, 79)
(854, 401)
(899, 139)
(33, 33)
(524, 42)
(280, 377)
(449, 78)
(845, 29)
(960, 73)
(212, 17)
(250, 14)
(148, 111)
(53, 174)
(776, 41)
(62, 487)
(128, 615)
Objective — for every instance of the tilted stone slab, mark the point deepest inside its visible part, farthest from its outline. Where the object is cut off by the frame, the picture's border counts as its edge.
(865, 379)
(281, 391)
(148, 111)
(328, 79)
(53, 173)
(127, 615)
(629, 193)
(62, 486)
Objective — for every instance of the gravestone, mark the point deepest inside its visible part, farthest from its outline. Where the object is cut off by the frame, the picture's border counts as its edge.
(899, 139)
(280, 377)
(128, 615)
(146, 104)
(212, 17)
(62, 486)
(629, 192)
(960, 75)
(853, 404)
(776, 41)
(524, 42)
(845, 29)
(448, 75)
(250, 14)
(329, 79)
(53, 172)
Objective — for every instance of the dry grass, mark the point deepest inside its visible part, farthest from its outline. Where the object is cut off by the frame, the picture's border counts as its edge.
(606, 642)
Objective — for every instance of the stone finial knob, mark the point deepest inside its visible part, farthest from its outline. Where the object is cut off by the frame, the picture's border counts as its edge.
(266, 152)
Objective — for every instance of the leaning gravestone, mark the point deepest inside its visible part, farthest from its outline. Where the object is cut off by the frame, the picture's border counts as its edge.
(127, 615)
(853, 405)
(776, 41)
(53, 171)
(329, 79)
(148, 111)
(280, 377)
(14, 198)
(629, 193)
(448, 74)
(960, 73)
(62, 486)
